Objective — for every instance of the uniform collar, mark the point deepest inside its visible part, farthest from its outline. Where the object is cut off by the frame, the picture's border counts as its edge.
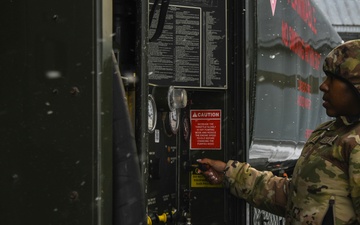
(348, 120)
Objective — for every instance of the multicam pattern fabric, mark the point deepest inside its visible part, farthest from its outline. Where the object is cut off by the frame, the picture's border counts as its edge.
(344, 62)
(326, 178)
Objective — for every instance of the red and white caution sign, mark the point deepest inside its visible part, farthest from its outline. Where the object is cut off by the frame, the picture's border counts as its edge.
(205, 129)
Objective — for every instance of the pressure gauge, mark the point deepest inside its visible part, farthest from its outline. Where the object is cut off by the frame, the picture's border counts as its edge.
(177, 98)
(174, 120)
(152, 114)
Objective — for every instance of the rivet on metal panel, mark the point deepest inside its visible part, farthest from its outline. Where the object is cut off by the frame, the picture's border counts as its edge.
(74, 196)
(15, 178)
(74, 91)
(55, 91)
(55, 17)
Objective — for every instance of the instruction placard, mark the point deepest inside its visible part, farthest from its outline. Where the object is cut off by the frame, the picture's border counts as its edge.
(205, 129)
(199, 181)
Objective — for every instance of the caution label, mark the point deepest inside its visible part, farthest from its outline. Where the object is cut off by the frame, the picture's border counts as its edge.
(198, 180)
(205, 129)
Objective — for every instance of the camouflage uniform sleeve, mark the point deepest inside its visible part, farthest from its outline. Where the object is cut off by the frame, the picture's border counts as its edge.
(262, 189)
(354, 176)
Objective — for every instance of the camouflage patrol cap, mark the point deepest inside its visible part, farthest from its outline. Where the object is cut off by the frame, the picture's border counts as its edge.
(343, 62)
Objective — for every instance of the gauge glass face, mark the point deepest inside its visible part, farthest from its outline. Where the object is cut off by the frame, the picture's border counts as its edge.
(174, 120)
(177, 98)
(152, 114)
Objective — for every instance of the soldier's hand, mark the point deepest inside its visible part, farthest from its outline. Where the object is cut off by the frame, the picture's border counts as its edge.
(215, 173)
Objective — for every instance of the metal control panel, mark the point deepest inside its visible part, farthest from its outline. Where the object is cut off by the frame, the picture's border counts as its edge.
(174, 186)
(191, 54)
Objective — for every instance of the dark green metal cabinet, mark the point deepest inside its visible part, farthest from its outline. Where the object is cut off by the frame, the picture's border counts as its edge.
(55, 112)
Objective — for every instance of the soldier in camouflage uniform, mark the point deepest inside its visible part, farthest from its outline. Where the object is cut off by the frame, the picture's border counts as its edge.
(325, 186)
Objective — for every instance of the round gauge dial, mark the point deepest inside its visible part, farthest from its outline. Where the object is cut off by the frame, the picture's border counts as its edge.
(174, 119)
(177, 98)
(152, 114)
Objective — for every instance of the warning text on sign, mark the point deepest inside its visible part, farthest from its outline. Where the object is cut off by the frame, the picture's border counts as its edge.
(205, 129)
